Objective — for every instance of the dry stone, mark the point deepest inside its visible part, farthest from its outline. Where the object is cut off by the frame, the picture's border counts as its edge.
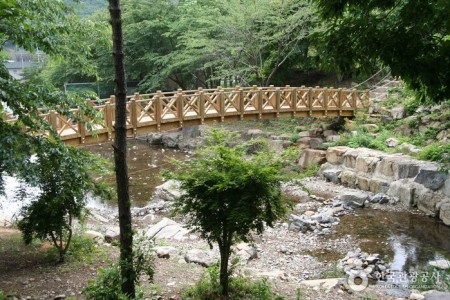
(431, 179)
(378, 185)
(310, 157)
(444, 213)
(348, 178)
(403, 190)
(202, 258)
(366, 164)
(335, 155)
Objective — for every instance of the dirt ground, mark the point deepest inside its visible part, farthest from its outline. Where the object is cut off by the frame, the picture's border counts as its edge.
(31, 272)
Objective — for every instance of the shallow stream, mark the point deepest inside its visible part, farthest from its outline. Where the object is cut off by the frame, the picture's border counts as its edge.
(404, 240)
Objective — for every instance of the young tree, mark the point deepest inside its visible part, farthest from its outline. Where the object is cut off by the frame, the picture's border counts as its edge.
(227, 196)
(128, 273)
(62, 173)
(411, 37)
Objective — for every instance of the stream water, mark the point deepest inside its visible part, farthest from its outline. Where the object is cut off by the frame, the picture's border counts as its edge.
(404, 240)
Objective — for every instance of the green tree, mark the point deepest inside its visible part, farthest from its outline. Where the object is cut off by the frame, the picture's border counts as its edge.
(227, 196)
(204, 43)
(60, 174)
(411, 37)
(24, 152)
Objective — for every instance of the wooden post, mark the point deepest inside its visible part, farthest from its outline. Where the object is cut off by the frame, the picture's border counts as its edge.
(240, 92)
(81, 127)
(180, 107)
(340, 95)
(294, 101)
(221, 103)
(325, 100)
(277, 100)
(260, 103)
(201, 103)
(54, 120)
(158, 110)
(134, 113)
(354, 98)
(108, 119)
(310, 100)
(112, 101)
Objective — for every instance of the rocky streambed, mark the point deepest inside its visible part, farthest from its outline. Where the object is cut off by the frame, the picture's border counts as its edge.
(328, 224)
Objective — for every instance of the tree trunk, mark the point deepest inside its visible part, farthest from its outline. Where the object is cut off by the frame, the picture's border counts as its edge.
(120, 155)
(224, 249)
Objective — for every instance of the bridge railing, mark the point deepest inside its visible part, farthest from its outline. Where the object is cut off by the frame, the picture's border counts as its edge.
(168, 110)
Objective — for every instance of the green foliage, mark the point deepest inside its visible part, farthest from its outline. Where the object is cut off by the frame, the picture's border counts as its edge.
(208, 288)
(227, 195)
(436, 152)
(81, 247)
(107, 285)
(204, 43)
(294, 138)
(361, 35)
(255, 145)
(62, 175)
(213, 179)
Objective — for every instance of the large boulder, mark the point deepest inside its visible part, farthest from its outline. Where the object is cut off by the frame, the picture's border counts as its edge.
(167, 229)
(112, 234)
(331, 172)
(202, 258)
(171, 139)
(366, 164)
(444, 213)
(335, 154)
(398, 112)
(426, 200)
(168, 191)
(165, 251)
(431, 179)
(294, 192)
(402, 189)
(348, 178)
(310, 157)
(253, 134)
(354, 198)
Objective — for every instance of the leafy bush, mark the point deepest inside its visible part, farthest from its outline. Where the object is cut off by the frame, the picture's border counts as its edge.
(107, 286)
(436, 152)
(208, 288)
(411, 105)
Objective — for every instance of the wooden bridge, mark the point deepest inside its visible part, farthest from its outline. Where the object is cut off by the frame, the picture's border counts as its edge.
(170, 110)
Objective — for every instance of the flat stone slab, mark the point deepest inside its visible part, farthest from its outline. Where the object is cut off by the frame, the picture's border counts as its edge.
(437, 296)
(327, 283)
(167, 229)
(440, 264)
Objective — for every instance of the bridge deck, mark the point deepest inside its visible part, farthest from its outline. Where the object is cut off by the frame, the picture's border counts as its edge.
(170, 110)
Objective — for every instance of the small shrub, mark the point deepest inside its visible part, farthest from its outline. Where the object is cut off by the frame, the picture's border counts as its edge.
(294, 138)
(414, 123)
(255, 146)
(436, 152)
(411, 105)
(107, 285)
(208, 288)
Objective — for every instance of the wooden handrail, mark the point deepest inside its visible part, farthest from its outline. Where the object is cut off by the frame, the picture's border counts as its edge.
(162, 111)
